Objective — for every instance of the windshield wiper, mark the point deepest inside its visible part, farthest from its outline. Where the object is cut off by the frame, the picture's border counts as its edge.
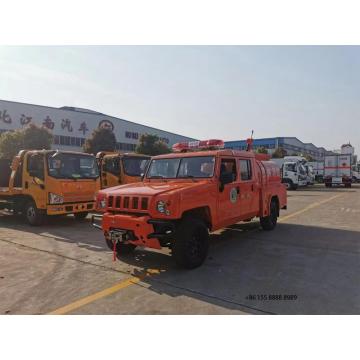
(156, 177)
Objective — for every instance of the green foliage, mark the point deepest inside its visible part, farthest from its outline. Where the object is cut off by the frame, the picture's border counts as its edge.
(309, 157)
(101, 140)
(151, 145)
(279, 153)
(262, 150)
(31, 137)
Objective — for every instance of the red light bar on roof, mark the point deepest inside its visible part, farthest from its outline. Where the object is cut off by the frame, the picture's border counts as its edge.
(198, 145)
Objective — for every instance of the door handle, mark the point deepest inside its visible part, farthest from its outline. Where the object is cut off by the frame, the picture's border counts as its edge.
(238, 189)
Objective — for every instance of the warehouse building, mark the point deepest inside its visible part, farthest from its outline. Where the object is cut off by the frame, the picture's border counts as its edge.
(291, 145)
(71, 125)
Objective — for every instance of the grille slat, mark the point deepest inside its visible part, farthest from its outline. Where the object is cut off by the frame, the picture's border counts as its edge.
(144, 203)
(135, 202)
(128, 203)
(110, 201)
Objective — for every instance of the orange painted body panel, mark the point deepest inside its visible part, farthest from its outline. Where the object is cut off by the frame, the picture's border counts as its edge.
(181, 195)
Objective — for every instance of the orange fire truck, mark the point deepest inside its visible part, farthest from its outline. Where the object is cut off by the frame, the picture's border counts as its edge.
(187, 194)
(117, 169)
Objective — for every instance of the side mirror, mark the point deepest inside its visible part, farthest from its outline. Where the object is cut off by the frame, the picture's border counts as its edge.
(225, 178)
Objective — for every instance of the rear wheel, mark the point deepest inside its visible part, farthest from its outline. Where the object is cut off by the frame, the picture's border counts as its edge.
(81, 215)
(269, 222)
(34, 216)
(191, 243)
(121, 248)
(348, 185)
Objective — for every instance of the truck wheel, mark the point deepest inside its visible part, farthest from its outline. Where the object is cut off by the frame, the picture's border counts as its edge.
(81, 215)
(348, 185)
(34, 216)
(269, 222)
(293, 187)
(121, 249)
(191, 243)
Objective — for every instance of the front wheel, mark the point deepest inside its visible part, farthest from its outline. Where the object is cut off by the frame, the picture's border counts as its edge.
(269, 222)
(81, 215)
(191, 243)
(34, 216)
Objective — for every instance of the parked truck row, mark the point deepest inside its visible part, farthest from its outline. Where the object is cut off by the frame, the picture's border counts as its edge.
(42, 183)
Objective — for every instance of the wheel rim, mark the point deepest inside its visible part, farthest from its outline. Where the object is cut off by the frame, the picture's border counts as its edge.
(287, 185)
(31, 212)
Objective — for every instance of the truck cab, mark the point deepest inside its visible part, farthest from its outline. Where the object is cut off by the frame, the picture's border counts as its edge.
(116, 168)
(187, 194)
(293, 172)
(38, 183)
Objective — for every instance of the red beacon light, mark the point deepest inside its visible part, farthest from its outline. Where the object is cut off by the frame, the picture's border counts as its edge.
(211, 144)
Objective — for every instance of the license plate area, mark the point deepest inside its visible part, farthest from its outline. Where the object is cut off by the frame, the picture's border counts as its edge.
(337, 180)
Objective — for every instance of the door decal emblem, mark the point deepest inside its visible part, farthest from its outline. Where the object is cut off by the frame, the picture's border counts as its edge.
(233, 195)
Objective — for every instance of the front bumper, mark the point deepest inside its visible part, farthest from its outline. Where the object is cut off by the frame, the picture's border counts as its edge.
(140, 228)
(70, 208)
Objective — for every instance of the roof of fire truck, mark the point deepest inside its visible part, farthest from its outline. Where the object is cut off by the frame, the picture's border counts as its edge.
(200, 148)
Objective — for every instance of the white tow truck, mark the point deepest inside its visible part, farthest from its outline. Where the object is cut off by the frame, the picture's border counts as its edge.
(293, 171)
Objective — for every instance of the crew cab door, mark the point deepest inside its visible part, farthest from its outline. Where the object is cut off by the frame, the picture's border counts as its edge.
(249, 200)
(228, 196)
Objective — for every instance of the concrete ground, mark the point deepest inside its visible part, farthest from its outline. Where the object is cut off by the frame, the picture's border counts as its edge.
(313, 256)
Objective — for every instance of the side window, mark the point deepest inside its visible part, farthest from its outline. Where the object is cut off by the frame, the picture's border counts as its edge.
(228, 166)
(112, 165)
(245, 170)
(35, 166)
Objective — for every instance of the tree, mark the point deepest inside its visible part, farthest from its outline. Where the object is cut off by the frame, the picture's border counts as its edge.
(151, 145)
(31, 137)
(101, 140)
(309, 157)
(262, 150)
(279, 153)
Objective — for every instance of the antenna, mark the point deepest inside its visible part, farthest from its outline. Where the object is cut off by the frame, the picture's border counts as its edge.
(250, 142)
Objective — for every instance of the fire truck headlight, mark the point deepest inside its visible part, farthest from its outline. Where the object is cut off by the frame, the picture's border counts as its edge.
(100, 202)
(55, 199)
(161, 207)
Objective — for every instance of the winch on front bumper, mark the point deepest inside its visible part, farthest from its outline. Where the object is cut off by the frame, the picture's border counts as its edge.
(136, 230)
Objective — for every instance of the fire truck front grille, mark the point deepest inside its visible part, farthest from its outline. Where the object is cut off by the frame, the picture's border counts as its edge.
(110, 201)
(128, 203)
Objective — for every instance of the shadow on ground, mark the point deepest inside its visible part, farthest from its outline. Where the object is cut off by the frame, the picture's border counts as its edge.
(318, 266)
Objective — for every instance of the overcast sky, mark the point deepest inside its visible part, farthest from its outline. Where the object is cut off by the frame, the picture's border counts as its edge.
(312, 92)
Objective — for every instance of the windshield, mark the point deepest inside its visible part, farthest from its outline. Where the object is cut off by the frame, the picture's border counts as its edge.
(135, 166)
(72, 166)
(290, 167)
(187, 167)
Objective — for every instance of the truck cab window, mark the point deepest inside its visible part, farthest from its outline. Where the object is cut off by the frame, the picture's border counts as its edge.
(245, 170)
(112, 165)
(35, 166)
(228, 166)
